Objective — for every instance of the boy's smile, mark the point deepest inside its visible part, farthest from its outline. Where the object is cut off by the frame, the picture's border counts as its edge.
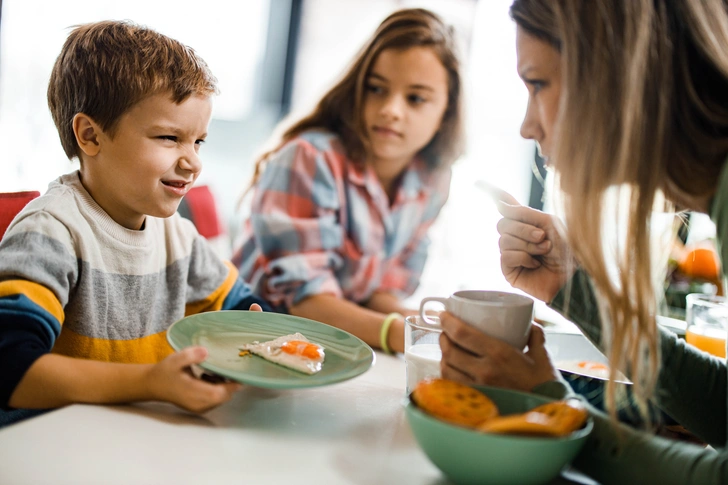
(149, 161)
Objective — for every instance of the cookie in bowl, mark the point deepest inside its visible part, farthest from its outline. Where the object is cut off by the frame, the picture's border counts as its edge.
(558, 418)
(454, 402)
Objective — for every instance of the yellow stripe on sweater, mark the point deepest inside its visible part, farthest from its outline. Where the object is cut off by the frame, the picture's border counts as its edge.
(146, 350)
(214, 300)
(38, 294)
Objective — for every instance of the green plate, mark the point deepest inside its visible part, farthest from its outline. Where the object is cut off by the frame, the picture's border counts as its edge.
(223, 332)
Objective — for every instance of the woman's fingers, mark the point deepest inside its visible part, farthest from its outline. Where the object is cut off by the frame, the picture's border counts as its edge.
(510, 243)
(518, 259)
(470, 356)
(520, 230)
(447, 371)
(468, 337)
(460, 363)
(537, 344)
(524, 214)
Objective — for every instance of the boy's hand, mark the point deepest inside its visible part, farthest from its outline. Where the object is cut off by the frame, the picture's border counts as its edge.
(171, 381)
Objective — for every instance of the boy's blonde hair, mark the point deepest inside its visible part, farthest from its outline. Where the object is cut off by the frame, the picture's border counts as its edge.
(107, 67)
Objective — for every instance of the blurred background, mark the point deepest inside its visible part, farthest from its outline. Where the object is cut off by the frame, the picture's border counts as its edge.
(275, 58)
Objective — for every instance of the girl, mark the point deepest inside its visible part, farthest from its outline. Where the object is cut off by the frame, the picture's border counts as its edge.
(627, 95)
(341, 208)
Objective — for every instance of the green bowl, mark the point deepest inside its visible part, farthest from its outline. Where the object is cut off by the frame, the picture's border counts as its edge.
(466, 456)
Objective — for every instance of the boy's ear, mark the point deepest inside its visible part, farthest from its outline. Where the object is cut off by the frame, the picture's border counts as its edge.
(87, 134)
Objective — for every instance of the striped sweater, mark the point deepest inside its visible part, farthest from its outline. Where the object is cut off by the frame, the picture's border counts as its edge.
(74, 282)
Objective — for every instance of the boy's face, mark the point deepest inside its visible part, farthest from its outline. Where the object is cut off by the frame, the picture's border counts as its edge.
(151, 161)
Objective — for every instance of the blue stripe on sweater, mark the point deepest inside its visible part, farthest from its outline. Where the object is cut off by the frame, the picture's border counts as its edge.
(14, 306)
(241, 297)
(27, 332)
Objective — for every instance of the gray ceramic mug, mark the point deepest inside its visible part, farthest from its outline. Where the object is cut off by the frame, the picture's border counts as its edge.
(503, 315)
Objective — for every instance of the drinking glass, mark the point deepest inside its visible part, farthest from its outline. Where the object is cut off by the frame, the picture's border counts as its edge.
(707, 320)
(422, 352)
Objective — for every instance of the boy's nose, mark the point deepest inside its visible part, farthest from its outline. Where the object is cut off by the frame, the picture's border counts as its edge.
(190, 161)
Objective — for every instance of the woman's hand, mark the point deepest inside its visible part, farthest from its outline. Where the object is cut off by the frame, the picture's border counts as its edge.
(472, 357)
(534, 258)
(171, 380)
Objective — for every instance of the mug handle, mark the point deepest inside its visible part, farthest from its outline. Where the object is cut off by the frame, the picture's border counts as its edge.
(424, 316)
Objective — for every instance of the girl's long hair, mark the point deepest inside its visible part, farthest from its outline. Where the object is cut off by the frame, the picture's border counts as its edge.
(340, 109)
(644, 109)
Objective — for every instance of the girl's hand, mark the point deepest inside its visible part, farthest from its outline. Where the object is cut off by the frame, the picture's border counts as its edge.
(170, 380)
(534, 258)
(472, 357)
(255, 308)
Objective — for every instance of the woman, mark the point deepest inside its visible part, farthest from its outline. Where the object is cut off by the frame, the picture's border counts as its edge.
(628, 96)
(342, 205)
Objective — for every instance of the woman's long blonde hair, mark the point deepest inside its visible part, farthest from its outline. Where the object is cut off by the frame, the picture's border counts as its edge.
(643, 107)
(340, 109)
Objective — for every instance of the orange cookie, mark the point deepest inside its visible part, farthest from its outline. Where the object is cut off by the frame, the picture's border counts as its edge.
(454, 402)
(558, 418)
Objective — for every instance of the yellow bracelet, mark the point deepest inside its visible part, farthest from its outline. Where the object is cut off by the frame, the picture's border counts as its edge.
(384, 331)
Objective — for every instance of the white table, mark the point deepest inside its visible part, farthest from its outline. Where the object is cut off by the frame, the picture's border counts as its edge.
(353, 432)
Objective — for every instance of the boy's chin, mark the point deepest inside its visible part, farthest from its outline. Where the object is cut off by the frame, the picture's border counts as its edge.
(165, 212)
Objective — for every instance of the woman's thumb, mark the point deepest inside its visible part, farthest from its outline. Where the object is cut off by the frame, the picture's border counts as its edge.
(537, 343)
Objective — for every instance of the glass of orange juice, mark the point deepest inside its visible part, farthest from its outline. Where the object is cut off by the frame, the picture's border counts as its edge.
(707, 320)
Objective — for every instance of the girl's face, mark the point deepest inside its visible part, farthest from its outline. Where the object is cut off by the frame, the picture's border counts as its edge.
(539, 65)
(405, 100)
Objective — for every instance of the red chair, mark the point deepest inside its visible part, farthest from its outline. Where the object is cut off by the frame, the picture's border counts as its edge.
(202, 208)
(10, 204)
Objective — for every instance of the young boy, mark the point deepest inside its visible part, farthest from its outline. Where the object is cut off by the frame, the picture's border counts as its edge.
(94, 272)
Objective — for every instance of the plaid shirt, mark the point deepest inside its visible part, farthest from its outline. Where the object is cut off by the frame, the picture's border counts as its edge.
(320, 224)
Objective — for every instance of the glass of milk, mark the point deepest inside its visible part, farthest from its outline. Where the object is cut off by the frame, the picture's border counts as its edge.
(422, 352)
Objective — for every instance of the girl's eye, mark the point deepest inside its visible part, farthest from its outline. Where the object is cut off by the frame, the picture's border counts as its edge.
(168, 137)
(374, 89)
(199, 142)
(415, 99)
